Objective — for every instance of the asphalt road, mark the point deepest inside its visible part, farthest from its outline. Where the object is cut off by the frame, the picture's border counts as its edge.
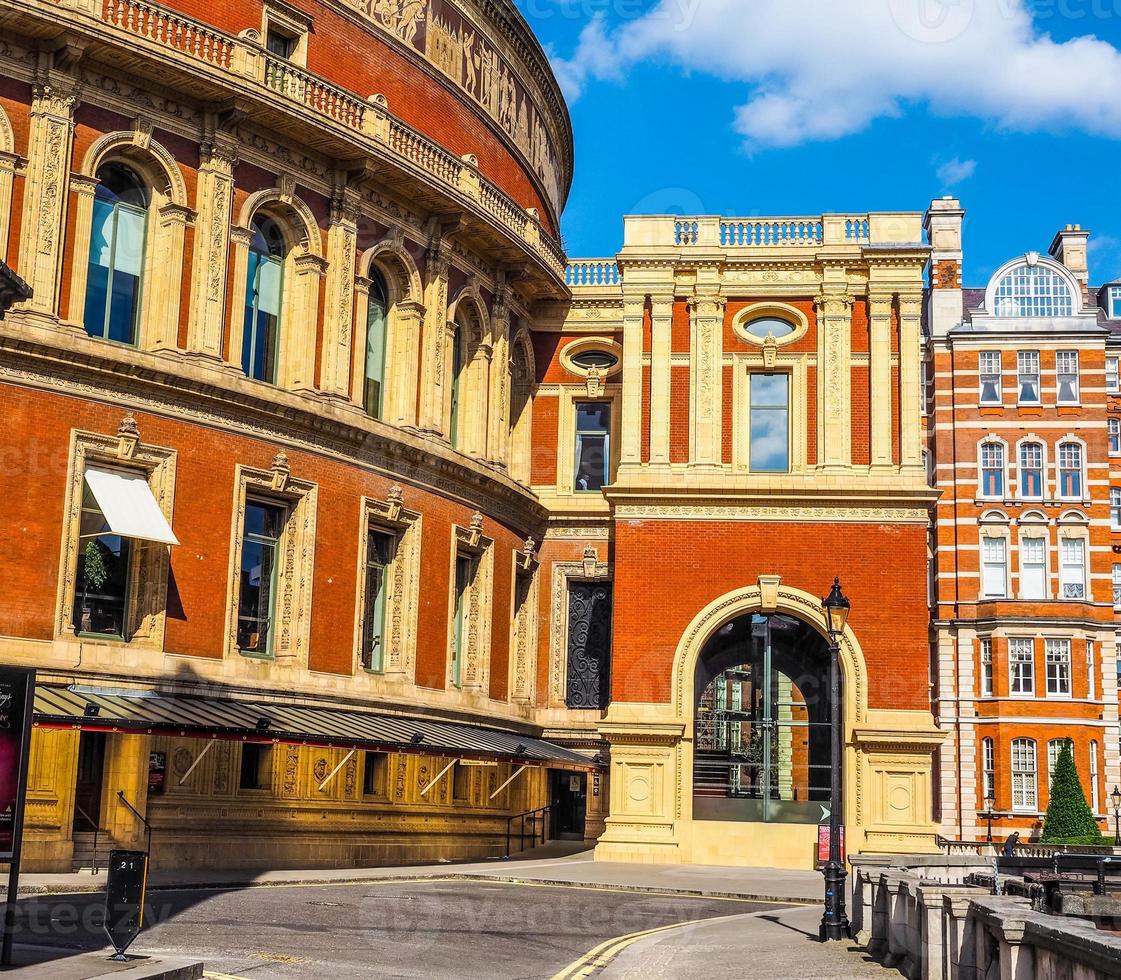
(429, 929)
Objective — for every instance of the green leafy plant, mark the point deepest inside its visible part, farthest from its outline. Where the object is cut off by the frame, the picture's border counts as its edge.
(95, 571)
(1068, 814)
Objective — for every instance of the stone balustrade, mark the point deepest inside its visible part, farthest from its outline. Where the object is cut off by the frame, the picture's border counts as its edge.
(771, 233)
(592, 272)
(368, 120)
(916, 913)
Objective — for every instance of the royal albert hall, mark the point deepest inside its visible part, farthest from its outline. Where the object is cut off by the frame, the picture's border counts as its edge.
(332, 490)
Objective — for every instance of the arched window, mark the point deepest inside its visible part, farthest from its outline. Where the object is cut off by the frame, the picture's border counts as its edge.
(458, 363)
(1031, 470)
(992, 470)
(1025, 790)
(116, 259)
(1070, 470)
(377, 323)
(762, 749)
(1033, 290)
(264, 290)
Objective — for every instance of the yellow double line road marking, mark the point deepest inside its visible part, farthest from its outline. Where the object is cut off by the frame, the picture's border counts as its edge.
(605, 952)
(211, 975)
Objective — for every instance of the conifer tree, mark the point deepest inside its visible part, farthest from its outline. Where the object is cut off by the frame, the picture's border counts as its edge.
(1068, 814)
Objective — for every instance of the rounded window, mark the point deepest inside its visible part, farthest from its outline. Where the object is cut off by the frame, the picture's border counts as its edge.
(770, 326)
(604, 360)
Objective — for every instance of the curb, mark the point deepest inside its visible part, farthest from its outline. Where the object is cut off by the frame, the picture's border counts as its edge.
(434, 876)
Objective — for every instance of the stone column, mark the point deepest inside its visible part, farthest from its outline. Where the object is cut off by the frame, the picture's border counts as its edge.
(498, 418)
(879, 377)
(47, 187)
(126, 770)
(214, 201)
(8, 164)
(299, 322)
(435, 362)
(338, 313)
(660, 348)
(166, 279)
(403, 362)
(834, 440)
(706, 318)
(85, 188)
(631, 449)
(910, 357)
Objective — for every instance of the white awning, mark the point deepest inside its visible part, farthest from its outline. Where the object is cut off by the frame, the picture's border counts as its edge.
(129, 507)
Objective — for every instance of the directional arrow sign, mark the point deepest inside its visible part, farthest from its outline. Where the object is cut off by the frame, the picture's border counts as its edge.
(825, 813)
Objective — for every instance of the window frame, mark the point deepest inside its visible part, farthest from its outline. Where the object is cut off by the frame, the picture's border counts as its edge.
(1025, 446)
(986, 375)
(1112, 374)
(1058, 667)
(1025, 775)
(986, 563)
(1029, 541)
(1064, 470)
(785, 410)
(470, 609)
(1028, 357)
(987, 673)
(1067, 365)
(263, 768)
(275, 544)
(989, 448)
(1021, 667)
(578, 436)
(988, 771)
(1065, 580)
(1113, 430)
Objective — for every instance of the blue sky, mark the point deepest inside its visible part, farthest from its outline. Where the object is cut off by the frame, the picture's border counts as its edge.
(780, 107)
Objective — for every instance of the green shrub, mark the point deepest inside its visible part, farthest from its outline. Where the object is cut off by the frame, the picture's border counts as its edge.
(1068, 815)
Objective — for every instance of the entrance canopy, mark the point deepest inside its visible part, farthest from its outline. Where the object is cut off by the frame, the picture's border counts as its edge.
(128, 505)
(148, 712)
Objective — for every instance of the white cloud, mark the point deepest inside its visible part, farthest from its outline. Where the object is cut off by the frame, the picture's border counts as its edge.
(953, 172)
(821, 69)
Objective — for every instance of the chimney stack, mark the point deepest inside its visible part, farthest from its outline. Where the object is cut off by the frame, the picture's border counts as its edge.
(943, 225)
(1069, 247)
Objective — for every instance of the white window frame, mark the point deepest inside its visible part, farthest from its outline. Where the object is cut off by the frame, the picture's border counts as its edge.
(990, 370)
(992, 448)
(1027, 543)
(1114, 301)
(1027, 366)
(1091, 670)
(1021, 667)
(1066, 366)
(1114, 430)
(1072, 574)
(1025, 776)
(1022, 469)
(1115, 508)
(1062, 456)
(986, 667)
(1057, 668)
(988, 771)
(987, 563)
(1054, 747)
(1112, 375)
(1095, 792)
(1117, 585)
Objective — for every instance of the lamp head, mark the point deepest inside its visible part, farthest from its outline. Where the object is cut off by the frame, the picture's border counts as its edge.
(836, 606)
(1115, 798)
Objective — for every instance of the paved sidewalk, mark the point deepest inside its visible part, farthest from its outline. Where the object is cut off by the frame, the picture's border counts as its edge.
(772, 945)
(576, 868)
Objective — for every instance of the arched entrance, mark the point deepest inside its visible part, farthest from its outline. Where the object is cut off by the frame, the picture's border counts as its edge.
(761, 723)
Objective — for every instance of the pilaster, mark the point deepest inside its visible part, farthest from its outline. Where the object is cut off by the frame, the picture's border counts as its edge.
(85, 190)
(498, 416)
(9, 162)
(435, 362)
(910, 357)
(212, 249)
(238, 239)
(338, 314)
(54, 98)
(834, 427)
(706, 320)
(879, 380)
(661, 331)
(162, 329)
(631, 448)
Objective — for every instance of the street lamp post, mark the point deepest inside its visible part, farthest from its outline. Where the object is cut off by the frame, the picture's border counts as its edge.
(1115, 799)
(990, 803)
(834, 922)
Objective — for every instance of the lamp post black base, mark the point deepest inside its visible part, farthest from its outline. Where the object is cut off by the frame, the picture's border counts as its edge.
(834, 923)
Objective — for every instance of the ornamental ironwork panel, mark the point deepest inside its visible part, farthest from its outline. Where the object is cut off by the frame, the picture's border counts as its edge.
(589, 644)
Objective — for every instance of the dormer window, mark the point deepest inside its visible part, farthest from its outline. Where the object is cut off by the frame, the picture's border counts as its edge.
(1113, 303)
(1031, 290)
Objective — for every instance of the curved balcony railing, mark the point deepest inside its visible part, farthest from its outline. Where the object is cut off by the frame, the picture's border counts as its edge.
(368, 118)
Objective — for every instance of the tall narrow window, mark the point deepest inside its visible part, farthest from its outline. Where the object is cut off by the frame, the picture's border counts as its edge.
(990, 375)
(1070, 470)
(1021, 665)
(375, 767)
(1091, 671)
(1058, 668)
(1031, 470)
(379, 553)
(1095, 792)
(992, 470)
(377, 319)
(264, 288)
(1117, 589)
(1115, 508)
(593, 445)
(1054, 747)
(101, 591)
(1073, 568)
(116, 259)
(457, 385)
(1033, 568)
(589, 645)
(264, 525)
(1112, 381)
(1027, 372)
(769, 449)
(994, 570)
(1024, 775)
(988, 768)
(1114, 437)
(465, 566)
(986, 668)
(256, 766)
(1066, 371)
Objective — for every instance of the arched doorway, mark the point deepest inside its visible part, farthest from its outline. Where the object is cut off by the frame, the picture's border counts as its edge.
(761, 717)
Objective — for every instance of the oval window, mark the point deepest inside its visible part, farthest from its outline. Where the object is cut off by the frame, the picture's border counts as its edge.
(769, 325)
(588, 359)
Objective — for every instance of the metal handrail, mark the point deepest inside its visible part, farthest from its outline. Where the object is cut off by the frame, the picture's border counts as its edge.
(139, 816)
(96, 832)
(544, 811)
